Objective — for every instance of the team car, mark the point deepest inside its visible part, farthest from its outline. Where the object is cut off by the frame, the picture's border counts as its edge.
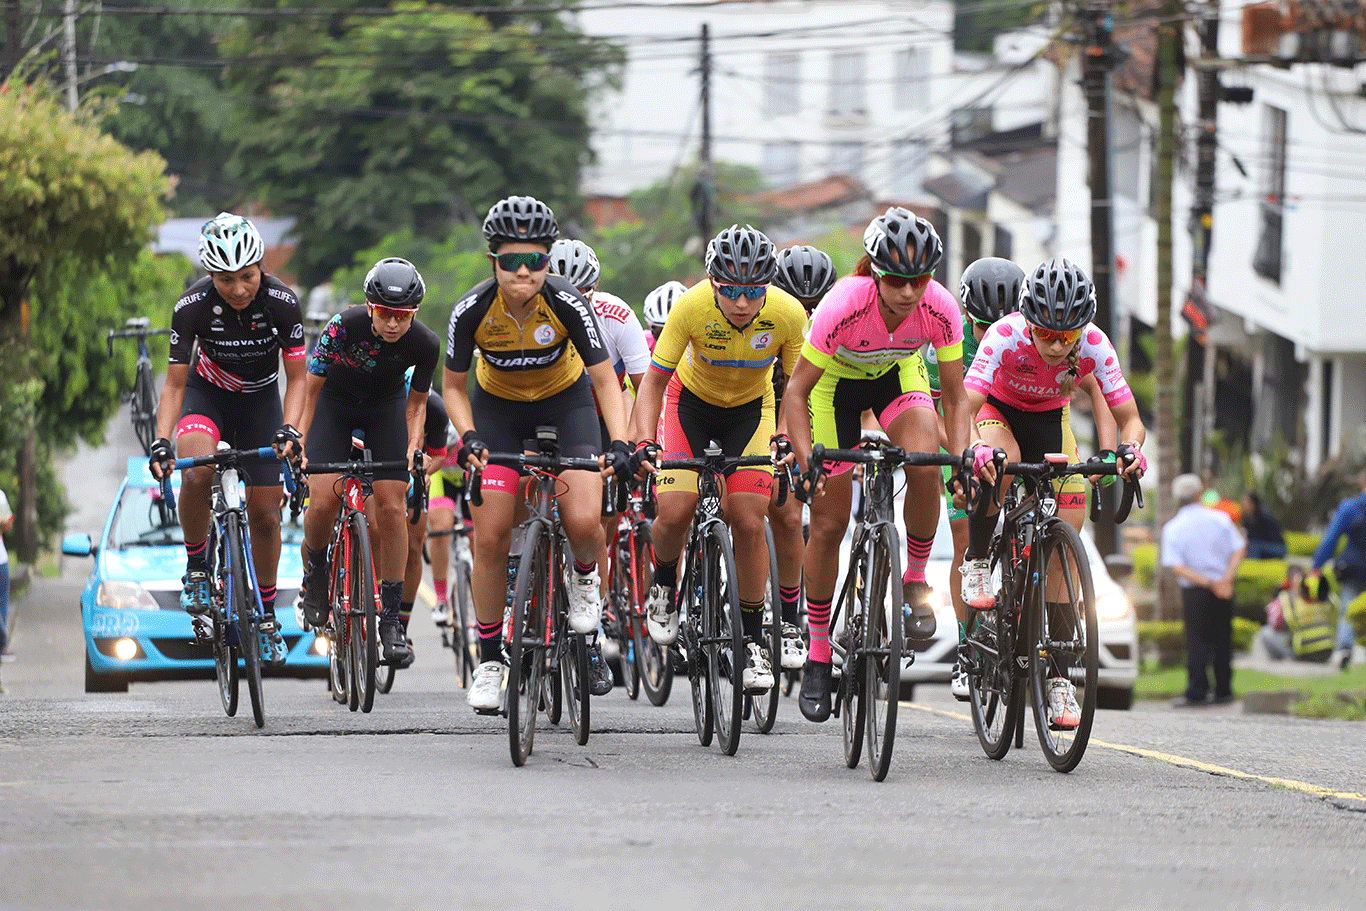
(134, 627)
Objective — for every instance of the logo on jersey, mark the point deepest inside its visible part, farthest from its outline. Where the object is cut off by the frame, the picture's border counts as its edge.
(544, 335)
(761, 341)
(217, 310)
(175, 338)
(298, 331)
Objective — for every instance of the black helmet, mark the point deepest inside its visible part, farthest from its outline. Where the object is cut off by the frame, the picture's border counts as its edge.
(520, 218)
(741, 255)
(990, 288)
(395, 282)
(576, 261)
(804, 272)
(1058, 296)
(900, 241)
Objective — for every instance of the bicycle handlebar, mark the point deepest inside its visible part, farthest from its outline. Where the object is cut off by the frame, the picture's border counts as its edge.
(897, 458)
(130, 333)
(222, 458)
(612, 492)
(1093, 466)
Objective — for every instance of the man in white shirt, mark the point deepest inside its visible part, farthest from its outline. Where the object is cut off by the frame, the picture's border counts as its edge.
(1203, 548)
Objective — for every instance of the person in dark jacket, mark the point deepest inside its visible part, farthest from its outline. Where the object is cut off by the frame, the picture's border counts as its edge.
(1265, 540)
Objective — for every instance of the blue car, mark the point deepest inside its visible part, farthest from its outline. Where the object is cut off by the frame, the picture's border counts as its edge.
(130, 607)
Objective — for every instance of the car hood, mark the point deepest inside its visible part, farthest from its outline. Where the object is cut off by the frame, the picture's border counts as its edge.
(167, 564)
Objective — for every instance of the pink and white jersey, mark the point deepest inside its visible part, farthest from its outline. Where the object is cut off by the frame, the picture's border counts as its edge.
(627, 348)
(1009, 367)
(848, 338)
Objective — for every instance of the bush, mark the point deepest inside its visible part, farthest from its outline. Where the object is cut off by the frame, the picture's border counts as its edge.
(1145, 565)
(1301, 543)
(1244, 631)
(1257, 584)
(1163, 641)
(1356, 615)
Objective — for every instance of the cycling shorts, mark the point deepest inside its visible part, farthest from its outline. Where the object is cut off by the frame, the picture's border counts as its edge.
(1038, 433)
(837, 404)
(688, 424)
(506, 425)
(381, 421)
(244, 420)
(447, 491)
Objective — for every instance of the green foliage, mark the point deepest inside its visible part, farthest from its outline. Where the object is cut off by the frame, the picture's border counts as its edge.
(1257, 584)
(1162, 642)
(1301, 543)
(975, 23)
(1356, 615)
(1145, 565)
(1244, 631)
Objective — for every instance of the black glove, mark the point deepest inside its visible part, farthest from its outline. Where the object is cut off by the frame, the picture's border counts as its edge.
(469, 445)
(646, 451)
(161, 454)
(781, 445)
(288, 434)
(620, 458)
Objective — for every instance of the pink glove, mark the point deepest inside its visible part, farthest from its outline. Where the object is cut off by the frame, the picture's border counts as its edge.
(981, 455)
(1135, 453)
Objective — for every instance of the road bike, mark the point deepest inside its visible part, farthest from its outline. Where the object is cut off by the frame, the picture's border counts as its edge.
(458, 634)
(386, 671)
(142, 401)
(234, 623)
(645, 665)
(1043, 623)
(547, 661)
(353, 594)
(711, 634)
(868, 651)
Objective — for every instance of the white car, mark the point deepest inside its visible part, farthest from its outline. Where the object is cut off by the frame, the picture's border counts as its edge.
(934, 658)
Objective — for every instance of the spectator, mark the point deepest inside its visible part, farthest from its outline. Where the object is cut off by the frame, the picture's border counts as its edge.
(6, 523)
(1265, 540)
(1203, 548)
(1350, 567)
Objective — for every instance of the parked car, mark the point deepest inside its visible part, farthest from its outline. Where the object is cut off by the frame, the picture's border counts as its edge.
(934, 658)
(134, 627)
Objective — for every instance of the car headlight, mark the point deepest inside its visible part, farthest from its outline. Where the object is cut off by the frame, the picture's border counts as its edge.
(124, 596)
(1113, 606)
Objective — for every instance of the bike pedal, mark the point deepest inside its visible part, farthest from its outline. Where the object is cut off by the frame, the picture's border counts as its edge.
(203, 629)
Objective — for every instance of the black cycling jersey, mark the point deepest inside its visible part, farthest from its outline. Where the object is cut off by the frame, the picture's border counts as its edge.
(239, 350)
(360, 364)
(437, 426)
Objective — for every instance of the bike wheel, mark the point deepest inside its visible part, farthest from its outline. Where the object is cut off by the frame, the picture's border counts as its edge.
(690, 632)
(527, 645)
(338, 626)
(466, 647)
(882, 636)
(848, 645)
(364, 638)
(623, 618)
(1063, 639)
(384, 677)
(224, 654)
(995, 697)
(725, 637)
(766, 704)
(244, 611)
(653, 663)
(144, 408)
(574, 681)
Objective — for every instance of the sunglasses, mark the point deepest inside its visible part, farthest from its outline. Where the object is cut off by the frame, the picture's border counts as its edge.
(897, 280)
(1048, 335)
(388, 313)
(511, 262)
(733, 292)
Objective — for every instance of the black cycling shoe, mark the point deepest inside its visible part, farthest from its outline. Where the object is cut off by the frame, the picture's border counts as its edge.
(599, 674)
(412, 656)
(313, 600)
(920, 622)
(814, 700)
(194, 598)
(395, 642)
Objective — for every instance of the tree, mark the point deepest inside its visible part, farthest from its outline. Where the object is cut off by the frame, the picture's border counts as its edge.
(419, 119)
(76, 212)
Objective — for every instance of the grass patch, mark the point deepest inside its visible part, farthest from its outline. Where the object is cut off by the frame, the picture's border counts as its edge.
(1341, 695)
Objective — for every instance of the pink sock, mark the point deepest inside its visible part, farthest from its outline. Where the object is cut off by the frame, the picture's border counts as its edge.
(440, 586)
(818, 626)
(917, 555)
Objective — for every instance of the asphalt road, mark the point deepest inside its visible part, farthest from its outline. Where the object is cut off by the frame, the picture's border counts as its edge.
(155, 799)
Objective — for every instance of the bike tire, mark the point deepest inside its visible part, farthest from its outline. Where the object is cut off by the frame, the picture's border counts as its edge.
(364, 632)
(690, 631)
(384, 677)
(619, 595)
(653, 661)
(725, 635)
(766, 704)
(224, 655)
(144, 407)
(995, 696)
(1063, 639)
(853, 724)
(882, 642)
(462, 615)
(527, 646)
(574, 681)
(244, 611)
(338, 627)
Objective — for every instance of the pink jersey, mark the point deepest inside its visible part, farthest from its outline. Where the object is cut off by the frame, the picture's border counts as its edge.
(1009, 367)
(849, 338)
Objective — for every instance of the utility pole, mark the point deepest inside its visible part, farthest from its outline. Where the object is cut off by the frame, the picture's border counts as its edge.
(1099, 57)
(69, 52)
(704, 189)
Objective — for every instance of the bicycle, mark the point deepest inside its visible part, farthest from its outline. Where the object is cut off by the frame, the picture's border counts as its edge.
(386, 672)
(236, 614)
(645, 665)
(711, 634)
(143, 399)
(458, 633)
(352, 625)
(547, 662)
(1030, 635)
(870, 647)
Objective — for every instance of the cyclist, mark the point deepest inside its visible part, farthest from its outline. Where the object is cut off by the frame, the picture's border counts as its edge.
(807, 274)
(542, 359)
(1019, 387)
(245, 322)
(356, 382)
(446, 501)
(658, 303)
(630, 355)
(732, 328)
(864, 352)
(989, 289)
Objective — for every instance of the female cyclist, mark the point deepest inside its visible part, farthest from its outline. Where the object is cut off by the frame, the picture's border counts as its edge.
(863, 352)
(658, 303)
(1019, 387)
(541, 360)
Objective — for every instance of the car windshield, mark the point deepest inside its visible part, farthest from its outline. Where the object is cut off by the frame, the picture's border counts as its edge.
(141, 520)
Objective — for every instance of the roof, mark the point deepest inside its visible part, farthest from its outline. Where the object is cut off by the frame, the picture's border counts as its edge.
(960, 189)
(1030, 178)
(828, 192)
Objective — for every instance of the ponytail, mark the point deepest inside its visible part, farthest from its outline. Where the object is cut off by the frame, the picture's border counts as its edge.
(1068, 382)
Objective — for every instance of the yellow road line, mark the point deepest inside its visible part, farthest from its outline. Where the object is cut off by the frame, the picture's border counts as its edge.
(1172, 759)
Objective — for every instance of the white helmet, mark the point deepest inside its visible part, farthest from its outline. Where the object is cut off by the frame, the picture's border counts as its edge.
(660, 301)
(576, 261)
(228, 243)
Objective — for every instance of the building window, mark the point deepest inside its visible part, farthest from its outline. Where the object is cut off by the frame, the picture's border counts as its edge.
(908, 170)
(1003, 243)
(846, 82)
(782, 80)
(969, 125)
(910, 91)
(781, 163)
(1266, 262)
(846, 158)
